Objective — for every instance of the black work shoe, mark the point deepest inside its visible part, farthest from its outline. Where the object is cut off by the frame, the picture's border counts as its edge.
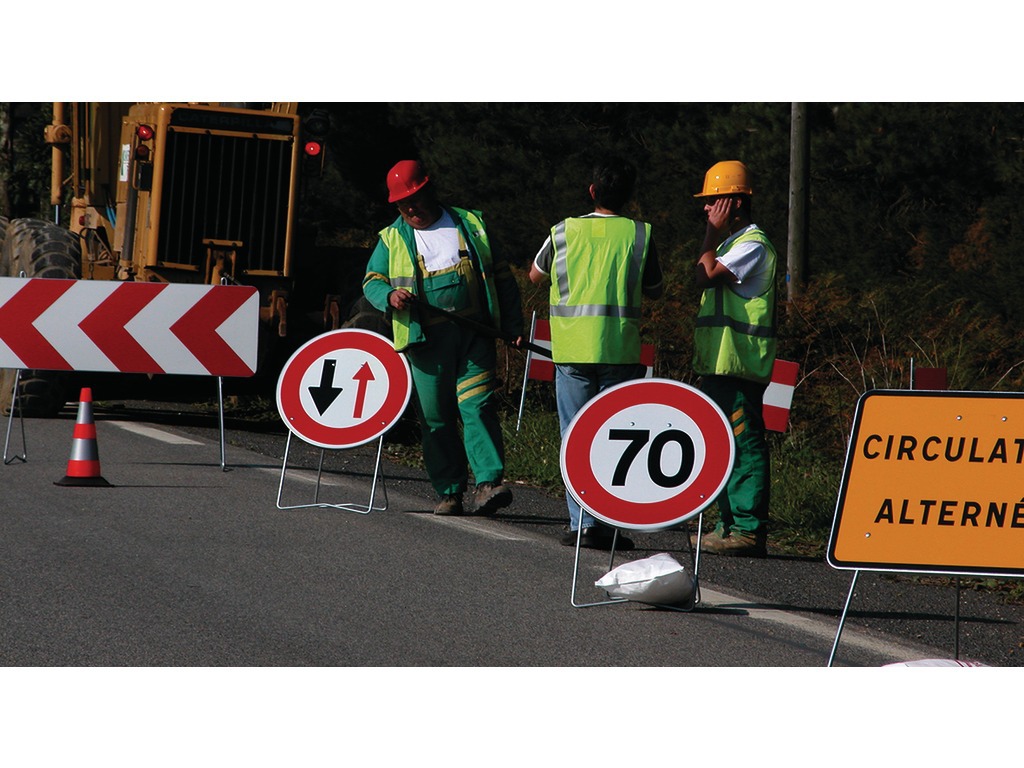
(597, 537)
(450, 504)
(490, 497)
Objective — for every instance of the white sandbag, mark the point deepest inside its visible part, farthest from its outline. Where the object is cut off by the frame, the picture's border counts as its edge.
(656, 579)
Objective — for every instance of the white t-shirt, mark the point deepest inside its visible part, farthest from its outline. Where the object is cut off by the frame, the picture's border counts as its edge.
(438, 244)
(748, 262)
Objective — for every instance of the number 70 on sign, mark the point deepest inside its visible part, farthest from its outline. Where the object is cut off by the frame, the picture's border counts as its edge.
(647, 454)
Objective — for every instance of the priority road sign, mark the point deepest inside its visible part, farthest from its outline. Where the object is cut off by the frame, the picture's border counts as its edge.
(343, 388)
(647, 454)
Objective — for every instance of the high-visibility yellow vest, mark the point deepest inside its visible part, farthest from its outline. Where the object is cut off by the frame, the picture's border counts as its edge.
(735, 336)
(405, 271)
(596, 277)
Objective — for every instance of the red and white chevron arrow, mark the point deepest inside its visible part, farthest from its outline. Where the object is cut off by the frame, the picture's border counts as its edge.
(97, 325)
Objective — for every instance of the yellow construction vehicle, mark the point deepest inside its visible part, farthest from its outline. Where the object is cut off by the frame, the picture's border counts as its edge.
(172, 192)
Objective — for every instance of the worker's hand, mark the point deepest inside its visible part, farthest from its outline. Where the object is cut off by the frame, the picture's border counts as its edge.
(400, 298)
(720, 214)
(516, 343)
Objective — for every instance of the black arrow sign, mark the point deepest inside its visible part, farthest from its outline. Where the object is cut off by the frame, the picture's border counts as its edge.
(325, 393)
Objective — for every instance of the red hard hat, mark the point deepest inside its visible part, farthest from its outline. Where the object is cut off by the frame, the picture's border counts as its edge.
(406, 179)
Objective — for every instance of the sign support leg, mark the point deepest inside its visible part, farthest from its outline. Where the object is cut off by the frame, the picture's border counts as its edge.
(220, 413)
(362, 509)
(956, 623)
(694, 559)
(576, 570)
(16, 405)
(526, 373)
(842, 619)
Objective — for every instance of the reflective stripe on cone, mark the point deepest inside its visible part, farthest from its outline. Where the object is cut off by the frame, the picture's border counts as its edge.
(84, 464)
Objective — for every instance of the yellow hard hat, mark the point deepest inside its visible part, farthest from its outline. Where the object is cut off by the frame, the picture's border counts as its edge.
(729, 177)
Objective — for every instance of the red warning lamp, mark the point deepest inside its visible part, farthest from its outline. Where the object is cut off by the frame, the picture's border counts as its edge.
(313, 148)
(144, 132)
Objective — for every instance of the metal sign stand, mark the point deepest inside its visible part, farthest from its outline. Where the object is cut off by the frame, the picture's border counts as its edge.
(694, 559)
(220, 414)
(526, 371)
(15, 404)
(849, 599)
(361, 509)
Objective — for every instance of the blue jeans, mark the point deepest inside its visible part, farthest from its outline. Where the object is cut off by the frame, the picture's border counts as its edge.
(575, 386)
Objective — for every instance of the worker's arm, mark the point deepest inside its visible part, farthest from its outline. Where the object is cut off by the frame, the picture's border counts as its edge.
(544, 256)
(536, 276)
(652, 284)
(377, 286)
(709, 270)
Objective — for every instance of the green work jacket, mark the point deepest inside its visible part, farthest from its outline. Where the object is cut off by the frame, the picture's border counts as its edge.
(481, 290)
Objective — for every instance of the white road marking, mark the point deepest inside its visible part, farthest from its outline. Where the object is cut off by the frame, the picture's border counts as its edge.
(709, 598)
(156, 434)
(476, 526)
(850, 637)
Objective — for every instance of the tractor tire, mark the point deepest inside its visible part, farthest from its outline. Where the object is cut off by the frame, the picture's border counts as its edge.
(4, 272)
(35, 248)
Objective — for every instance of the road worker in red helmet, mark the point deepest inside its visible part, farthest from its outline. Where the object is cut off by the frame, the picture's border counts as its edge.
(439, 256)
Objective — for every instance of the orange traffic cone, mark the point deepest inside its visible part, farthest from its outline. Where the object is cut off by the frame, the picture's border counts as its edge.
(84, 464)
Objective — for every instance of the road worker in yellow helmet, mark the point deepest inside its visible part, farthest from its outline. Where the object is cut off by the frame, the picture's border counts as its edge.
(734, 349)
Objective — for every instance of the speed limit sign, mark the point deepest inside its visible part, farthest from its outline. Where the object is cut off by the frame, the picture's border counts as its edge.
(647, 454)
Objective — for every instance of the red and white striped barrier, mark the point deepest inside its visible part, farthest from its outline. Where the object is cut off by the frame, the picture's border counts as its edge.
(101, 325)
(778, 397)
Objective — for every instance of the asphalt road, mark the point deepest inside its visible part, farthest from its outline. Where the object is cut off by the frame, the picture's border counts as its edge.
(182, 563)
(127, 613)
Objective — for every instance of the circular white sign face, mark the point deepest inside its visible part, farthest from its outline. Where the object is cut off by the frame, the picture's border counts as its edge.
(647, 454)
(343, 388)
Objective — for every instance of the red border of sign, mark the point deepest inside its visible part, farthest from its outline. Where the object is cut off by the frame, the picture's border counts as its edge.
(295, 417)
(579, 477)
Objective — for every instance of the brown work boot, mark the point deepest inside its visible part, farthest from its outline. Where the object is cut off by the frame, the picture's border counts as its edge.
(490, 497)
(450, 504)
(732, 544)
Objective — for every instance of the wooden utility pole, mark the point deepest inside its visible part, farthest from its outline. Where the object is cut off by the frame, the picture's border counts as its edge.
(799, 150)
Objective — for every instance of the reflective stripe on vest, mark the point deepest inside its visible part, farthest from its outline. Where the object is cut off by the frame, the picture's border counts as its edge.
(735, 336)
(402, 269)
(597, 320)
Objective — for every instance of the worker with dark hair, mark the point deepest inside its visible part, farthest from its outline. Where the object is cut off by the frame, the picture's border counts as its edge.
(437, 256)
(600, 265)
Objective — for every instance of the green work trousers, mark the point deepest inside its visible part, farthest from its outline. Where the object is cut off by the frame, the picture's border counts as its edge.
(744, 502)
(454, 377)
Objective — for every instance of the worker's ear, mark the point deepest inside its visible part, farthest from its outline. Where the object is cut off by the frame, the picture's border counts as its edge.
(593, 195)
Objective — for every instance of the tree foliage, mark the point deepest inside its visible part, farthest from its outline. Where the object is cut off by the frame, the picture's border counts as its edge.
(914, 211)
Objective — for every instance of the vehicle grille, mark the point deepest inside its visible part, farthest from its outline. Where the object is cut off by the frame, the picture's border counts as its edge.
(225, 188)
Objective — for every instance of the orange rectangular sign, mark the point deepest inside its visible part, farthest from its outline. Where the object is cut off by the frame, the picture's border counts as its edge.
(934, 482)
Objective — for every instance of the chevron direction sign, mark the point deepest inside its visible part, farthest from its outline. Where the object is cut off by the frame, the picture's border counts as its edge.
(98, 325)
